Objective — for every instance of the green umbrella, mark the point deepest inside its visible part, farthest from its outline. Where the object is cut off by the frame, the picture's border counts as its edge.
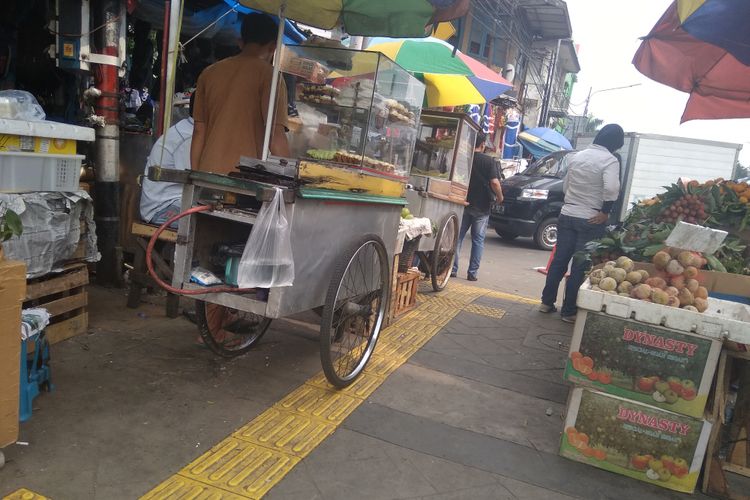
(397, 18)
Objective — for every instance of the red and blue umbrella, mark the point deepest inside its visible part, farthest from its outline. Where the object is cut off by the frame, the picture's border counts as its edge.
(702, 47)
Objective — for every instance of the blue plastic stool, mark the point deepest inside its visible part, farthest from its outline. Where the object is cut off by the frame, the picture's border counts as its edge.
(35, 372)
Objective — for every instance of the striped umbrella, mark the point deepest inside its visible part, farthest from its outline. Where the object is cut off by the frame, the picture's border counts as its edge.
(720, 22)
(451, 79)
(702, 47)
(367, 17)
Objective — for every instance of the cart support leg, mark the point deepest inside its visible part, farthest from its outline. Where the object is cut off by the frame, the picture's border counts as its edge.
(274, 82)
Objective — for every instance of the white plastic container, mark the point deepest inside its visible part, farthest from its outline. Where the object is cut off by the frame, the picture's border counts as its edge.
(722, 320)
(25, 172)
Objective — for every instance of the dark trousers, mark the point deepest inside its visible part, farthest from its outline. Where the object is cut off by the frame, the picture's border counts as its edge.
(572, 235)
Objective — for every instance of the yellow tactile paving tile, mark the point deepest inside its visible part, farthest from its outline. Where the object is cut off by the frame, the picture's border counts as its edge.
(325, 404)
(382, 366)
(361, 388)
(286, 431)
(511, 297)
(237, 466)
(182, 488)
(491, 312)
(401, 345)
(24, 494)
(254, 458)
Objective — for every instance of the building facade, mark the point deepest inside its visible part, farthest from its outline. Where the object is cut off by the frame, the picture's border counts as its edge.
(530, 43)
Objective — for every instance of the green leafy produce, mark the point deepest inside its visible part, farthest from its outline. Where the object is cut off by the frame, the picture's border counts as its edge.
(10, 225)
(321, 154)
(715, 204)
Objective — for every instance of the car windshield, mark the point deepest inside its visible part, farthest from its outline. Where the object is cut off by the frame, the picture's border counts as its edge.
(550, 166)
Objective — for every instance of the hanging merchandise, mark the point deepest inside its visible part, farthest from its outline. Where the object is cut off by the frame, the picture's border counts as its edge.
(267, 260)
(512, 126)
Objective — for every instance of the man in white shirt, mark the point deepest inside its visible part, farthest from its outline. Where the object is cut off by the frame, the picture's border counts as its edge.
(591, 186)
(160, 201)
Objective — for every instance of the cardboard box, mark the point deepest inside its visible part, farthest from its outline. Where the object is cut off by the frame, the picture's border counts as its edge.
(654, 365)
(724, 319)
(634, 440)
(12, 293)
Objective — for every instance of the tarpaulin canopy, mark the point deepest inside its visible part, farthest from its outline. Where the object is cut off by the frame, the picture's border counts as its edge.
(223, 30)
(698, 47)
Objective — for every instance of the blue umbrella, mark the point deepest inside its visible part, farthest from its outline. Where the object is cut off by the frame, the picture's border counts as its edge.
(542, 141)
(551, 136)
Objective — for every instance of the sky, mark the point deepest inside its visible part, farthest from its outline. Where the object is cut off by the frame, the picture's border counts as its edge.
(607, 33)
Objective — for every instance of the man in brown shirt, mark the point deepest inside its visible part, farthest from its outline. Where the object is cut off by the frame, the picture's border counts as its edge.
(231, 103)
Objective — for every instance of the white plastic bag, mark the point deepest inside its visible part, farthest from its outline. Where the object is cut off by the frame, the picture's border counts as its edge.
(267, 260)
(20, 105)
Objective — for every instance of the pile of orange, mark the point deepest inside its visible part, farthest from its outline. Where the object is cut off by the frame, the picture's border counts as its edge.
(585, 366)
(741, 189)
(580, 441)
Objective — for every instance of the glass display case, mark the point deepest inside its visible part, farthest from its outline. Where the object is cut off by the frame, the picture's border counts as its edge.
(356, 109)
(444, 152)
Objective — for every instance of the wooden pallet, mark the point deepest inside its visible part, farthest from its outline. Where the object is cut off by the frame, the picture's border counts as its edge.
(65, 297)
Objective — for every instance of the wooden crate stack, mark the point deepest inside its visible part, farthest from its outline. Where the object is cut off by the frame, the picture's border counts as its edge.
(65, 297)
(404, 287)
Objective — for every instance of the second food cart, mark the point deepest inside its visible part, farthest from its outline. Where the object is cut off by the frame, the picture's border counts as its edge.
(440, 176)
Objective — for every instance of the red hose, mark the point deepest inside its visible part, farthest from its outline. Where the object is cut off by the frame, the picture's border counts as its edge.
(166, 286)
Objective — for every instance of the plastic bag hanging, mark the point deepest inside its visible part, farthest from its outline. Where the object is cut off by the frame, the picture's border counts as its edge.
(267, 261)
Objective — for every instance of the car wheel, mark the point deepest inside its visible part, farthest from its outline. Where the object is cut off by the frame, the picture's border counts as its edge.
(506, 235)
(545, 236)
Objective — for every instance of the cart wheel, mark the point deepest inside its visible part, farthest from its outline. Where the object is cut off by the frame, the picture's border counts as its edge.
(229, 332)
(354, 310)
(444, 253)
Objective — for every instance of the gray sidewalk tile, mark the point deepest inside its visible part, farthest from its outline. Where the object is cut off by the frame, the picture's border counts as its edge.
(471, 405)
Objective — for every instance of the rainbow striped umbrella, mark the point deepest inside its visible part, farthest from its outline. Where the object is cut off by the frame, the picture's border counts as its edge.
(367, 17)
(451, 80)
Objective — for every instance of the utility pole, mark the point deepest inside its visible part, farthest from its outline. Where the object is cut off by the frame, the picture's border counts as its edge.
(591, 94)
(544, 113)
(107, 196)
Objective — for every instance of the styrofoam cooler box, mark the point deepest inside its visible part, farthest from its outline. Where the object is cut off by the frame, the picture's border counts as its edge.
(25, 172)
(723, 320)
(635, 440)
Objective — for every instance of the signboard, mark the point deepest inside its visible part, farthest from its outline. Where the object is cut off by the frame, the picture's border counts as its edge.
(654, 365)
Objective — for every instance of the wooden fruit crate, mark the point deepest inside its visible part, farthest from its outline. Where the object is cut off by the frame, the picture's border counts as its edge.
(405, 297)
(65, 297)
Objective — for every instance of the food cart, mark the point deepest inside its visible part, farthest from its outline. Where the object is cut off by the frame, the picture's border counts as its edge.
(440, 175)
(343, 189)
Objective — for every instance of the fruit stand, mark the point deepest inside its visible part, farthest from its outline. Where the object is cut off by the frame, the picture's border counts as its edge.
(644, 355)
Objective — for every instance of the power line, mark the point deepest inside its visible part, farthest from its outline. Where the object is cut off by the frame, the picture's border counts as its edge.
(535, 74)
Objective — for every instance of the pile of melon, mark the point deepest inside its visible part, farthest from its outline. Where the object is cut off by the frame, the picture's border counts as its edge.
(675, 283)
